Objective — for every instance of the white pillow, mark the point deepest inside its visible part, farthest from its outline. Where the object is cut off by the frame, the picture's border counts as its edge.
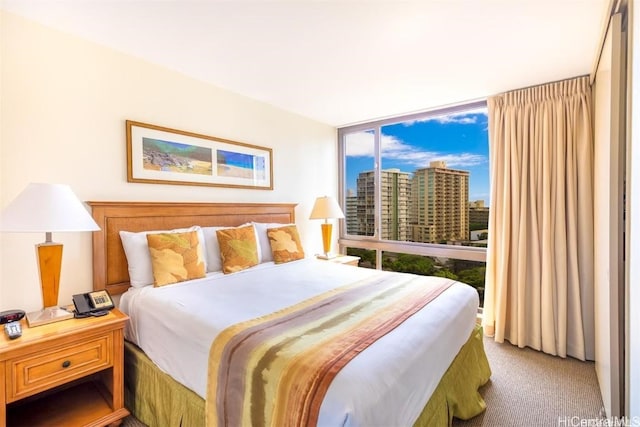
(264, 246)
(136, 249)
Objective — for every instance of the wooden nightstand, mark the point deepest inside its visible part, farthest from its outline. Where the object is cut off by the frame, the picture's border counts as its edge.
(66, 373)
(344, 259)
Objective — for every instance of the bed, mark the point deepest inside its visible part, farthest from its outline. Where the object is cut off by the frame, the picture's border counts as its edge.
(423, 370)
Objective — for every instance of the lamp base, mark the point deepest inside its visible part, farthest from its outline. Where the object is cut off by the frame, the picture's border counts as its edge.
(47, 315)
(327, 256)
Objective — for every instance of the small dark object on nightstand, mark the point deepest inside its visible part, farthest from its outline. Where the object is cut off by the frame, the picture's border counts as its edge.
(13, 330)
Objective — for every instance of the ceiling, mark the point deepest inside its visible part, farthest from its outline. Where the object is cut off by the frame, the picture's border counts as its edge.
(345, 61)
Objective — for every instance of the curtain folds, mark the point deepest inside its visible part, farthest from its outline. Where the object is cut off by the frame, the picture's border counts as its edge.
(539, 280)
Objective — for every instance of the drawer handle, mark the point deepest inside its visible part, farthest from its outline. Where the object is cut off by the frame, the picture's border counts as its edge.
(66, 364)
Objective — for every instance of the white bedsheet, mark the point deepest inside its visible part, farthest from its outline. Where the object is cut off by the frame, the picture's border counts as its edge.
(388, 384)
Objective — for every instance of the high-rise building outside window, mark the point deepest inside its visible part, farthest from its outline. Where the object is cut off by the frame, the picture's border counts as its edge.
(439, 204)
(418, 185)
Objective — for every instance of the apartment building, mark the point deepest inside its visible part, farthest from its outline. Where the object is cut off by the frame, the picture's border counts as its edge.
(395, 192)
(439, 204)
(351, 212)
(478, 214)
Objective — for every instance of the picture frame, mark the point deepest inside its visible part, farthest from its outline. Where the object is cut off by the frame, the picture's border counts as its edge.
(161, 155)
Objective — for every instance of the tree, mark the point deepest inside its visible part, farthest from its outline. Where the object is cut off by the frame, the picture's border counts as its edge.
(407, 263)
(367, 256)
(477, 226)
(473, 276)
(445, 273)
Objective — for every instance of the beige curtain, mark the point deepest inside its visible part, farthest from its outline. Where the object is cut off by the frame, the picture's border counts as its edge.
(539, 282)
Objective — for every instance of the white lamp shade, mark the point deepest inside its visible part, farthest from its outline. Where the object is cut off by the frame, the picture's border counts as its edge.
(326, 207)
(46, 208)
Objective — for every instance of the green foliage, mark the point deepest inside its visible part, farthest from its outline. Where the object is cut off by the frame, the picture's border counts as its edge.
(477, 226)
(473, 276)
(407, 263)
(445, 273)
(367, 257)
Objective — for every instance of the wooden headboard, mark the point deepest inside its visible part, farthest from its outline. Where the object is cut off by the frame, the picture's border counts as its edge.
(109, 261)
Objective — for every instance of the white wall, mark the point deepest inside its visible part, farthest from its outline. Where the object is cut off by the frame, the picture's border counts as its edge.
(634, 256)
(63, 105)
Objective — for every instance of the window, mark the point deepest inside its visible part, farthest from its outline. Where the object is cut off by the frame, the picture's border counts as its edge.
(418, 185)
(359, 200)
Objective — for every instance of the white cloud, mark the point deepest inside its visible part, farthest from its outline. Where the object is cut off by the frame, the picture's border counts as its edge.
(464, 120)
(361, 144)
(467, 117)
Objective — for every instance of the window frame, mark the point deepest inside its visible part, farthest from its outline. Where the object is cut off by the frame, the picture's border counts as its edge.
(374, 242)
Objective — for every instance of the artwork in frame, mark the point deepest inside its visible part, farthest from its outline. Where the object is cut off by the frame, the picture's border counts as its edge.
(160, 155)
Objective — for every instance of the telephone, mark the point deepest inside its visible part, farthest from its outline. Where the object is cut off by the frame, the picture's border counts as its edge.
(95, 303)
(11, 321)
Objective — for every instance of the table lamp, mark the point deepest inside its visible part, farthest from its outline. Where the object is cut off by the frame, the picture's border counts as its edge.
(326, 208)
(47, 208)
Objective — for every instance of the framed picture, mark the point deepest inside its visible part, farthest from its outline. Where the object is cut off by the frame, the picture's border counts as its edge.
(160, 155)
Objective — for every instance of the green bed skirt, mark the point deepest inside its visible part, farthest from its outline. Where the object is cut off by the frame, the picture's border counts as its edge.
(457, 392)
(157, 400)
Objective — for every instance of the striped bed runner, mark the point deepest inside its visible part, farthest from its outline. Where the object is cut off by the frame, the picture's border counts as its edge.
(275, 370)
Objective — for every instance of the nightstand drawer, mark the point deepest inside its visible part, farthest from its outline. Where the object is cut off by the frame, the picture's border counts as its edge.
(40, 371)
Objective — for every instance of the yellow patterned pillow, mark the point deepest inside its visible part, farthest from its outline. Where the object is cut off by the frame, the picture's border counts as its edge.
(285, 244)
(238, 248)
(175, 257)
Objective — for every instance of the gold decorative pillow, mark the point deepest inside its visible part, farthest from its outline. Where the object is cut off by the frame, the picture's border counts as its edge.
(238, 248)
(175, 257)
(285, 244)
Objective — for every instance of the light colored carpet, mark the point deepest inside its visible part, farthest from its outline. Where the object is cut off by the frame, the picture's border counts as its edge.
(529, 388)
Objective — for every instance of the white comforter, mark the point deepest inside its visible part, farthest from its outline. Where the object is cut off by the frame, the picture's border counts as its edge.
(388, 384)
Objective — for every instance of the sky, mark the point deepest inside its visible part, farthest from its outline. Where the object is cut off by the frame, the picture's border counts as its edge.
(460, 139)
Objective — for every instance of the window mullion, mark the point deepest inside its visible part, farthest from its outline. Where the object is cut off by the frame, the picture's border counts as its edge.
(377, 137)
(378, 183)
